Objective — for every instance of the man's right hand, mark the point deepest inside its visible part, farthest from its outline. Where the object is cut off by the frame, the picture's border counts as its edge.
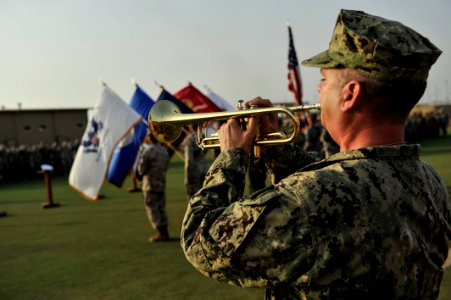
(267, 122)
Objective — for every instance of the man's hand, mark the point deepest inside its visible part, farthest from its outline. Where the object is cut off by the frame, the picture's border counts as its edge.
(232, 136)
(267, 122)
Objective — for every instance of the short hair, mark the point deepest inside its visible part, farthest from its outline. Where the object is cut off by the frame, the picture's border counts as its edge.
(389, 98)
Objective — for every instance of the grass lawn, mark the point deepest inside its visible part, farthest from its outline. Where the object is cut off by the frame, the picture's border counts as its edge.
(84, 250)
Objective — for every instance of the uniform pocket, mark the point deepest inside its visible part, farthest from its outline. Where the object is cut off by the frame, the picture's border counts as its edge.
(236, 222)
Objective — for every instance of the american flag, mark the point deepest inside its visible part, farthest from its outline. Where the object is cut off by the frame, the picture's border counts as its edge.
(294, 76)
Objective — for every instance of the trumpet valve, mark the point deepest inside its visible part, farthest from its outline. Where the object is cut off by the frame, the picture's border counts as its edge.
(239, 105)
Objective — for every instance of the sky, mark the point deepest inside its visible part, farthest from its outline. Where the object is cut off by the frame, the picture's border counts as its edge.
(55, 53)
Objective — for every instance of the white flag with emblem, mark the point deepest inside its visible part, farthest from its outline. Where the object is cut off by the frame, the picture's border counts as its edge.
(110, 120)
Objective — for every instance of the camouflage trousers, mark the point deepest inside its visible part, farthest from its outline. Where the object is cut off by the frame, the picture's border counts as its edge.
(155, 203)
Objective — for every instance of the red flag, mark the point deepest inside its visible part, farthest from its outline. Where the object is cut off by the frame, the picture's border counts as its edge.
(294, 76)
(196, 100)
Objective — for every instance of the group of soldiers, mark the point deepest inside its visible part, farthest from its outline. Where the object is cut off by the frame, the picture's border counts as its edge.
(426, 125)
(22, 163)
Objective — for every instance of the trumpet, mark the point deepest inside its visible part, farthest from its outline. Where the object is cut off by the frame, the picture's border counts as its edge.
(166, 123)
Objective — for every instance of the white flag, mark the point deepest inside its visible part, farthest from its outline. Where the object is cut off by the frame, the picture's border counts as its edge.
(111, 119)
(219, 101)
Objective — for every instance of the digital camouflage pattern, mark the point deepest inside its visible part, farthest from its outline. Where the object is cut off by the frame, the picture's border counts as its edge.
(378, 48)
(153, 166)
(372, 223)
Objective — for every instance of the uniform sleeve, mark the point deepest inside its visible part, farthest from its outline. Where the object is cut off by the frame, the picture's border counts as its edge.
(260, 241)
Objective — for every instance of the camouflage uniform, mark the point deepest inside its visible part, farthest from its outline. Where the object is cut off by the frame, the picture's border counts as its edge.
(370, 223)
(256, 174)
(196, 165)
(364, 224)
(152, 167)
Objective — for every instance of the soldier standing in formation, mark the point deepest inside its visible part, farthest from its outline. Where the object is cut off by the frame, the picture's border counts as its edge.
(371, 222)
(152, 169)
(196, 165)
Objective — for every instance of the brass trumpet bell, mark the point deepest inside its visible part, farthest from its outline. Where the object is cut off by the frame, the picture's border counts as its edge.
(162, 121)
(166, 122)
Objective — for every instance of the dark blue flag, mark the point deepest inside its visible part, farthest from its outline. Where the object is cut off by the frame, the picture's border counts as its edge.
(125, 153)
(165, 95)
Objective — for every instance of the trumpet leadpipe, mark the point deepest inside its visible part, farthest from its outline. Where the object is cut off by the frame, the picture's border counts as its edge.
(306, 107)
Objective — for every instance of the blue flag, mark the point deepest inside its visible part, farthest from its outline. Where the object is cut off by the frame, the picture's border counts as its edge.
(125, 153)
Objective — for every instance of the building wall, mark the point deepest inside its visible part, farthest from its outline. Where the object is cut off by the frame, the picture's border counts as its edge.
(34, 126)
(70, 125)
(7, 127)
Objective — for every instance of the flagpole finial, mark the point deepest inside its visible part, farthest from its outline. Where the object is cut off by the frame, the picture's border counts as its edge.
(288, 22)
(103, 83)
(159, 85)
(133, 81)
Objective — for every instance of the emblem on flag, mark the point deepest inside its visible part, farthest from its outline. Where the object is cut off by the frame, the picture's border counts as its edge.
(91, 144)
(111, 120)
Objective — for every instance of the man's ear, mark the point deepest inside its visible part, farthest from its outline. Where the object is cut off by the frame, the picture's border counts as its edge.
(350, 94)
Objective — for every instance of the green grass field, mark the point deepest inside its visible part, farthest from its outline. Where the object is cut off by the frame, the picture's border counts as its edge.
(84, 250)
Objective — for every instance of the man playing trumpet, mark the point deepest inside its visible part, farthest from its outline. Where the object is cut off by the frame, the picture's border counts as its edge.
(370, 222)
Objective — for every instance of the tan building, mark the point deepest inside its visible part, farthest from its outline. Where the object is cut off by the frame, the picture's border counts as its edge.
(32, 126)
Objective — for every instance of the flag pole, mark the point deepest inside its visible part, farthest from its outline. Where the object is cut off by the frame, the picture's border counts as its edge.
(102, 82)
(207, 88)
(159, 85)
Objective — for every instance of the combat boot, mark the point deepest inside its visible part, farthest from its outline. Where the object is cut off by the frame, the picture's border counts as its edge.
(161, 236)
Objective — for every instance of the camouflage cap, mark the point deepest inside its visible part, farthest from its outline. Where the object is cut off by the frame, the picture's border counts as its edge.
(377, 48)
